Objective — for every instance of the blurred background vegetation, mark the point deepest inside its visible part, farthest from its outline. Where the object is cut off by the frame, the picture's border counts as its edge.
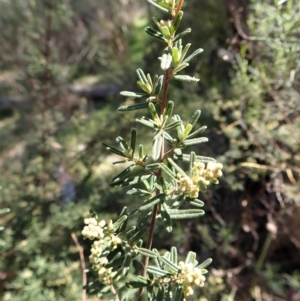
(62, 65)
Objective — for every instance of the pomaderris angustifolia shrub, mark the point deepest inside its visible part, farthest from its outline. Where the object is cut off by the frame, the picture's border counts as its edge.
(166, 190)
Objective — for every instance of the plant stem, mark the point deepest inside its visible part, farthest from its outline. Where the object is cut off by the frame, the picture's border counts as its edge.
(155, 208)
(148, 246)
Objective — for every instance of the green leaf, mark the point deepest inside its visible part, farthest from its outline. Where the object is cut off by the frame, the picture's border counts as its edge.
(185, 213)
(136, 106)
(133, 141)
(185, 50)
(196, 203)
(172, 125)
(154, 33)
(169, 108)
(190, 258)
(141, 151)
(167, 170)
(177, 21)
(157, 146)
(168, 263)
(146, 121)
(181, 35)
(126, 264)
(180, 67)
(196, 52)
(124, 172)
(165, 31)
(167, 220)
(205, 263)
(187, 130)
(186, 157)
(143, 220)
(186, 78)
(119, 223)
(160, 293)
(195, 117)
(154, 114)
(151, 202)
(157, 271)
(139, 234)
(158, 6)
(196, 132)
(129, 181)
(174, 256)
(158, 85)
(116, 262)
(133, 94)
(113, 150)
(178, 294)
(176, 56)
(147, 253)
(192, 161)
(146, 87)
(177, 168)
(139, 192)
(141, 75)
(195, 141)
(138, 282)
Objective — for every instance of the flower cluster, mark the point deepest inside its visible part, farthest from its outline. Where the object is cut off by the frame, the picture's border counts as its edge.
(200, 178)
(189, 276)
(106, 241)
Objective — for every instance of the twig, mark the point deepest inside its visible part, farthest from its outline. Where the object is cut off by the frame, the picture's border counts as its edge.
(83, 267)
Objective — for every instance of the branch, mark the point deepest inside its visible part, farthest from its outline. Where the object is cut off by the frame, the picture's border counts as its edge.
(83, 267)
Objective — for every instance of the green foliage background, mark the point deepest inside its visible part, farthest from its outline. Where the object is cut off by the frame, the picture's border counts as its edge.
(50, 137)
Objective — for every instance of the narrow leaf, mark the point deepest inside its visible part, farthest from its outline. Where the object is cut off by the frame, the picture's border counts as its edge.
(158, 85)
(139, 234)
(180, 67)
(174, 258)
(160, 293)
(181, 35)
(129, 181)
(173, 125)
(177, 168)
(185, 213)
(158, 6)
(151, 202)
(137, 106)
(147, 253)
(138, 282)
(157, 271)
(185, 78)
(156, 147)
(146, 122)
(196, 203)
(132, 94)
(169, 108)
(196, 52)
(113, 150)
(205, 263)
(177, 21)
(195, 141)
(196, 132)
(190, 258)
(154, 33)
(119, 223)
(168, 263)
(133, 141)
(141, 75)
(167, 220)
(195, 117)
